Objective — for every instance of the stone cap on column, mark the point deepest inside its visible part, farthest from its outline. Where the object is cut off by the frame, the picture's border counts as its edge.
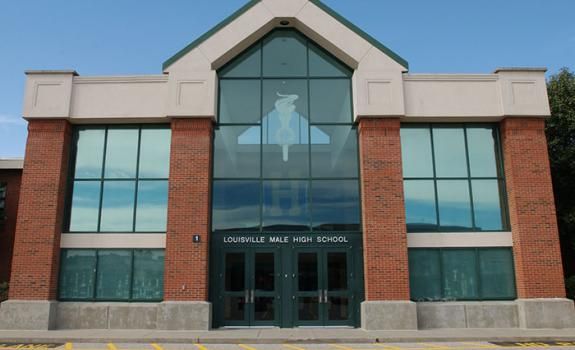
(48, 93)
(523, 91)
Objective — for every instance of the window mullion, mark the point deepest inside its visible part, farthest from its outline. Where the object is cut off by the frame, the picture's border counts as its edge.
(102, 179)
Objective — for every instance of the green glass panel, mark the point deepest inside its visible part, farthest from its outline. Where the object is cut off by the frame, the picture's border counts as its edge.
(454, 205)
(247, 65)
(285, 55)
(236, 205)
(335, 205)
(85, 206)
(416, 154)
(482, 152)
(77, 274)
(155, 153)
(89, 153)
(425, 274)
(420, 211)
(152, 208)
(459, 274)
(449, 146)
(334, 151)
(286, 206)
(118, 206)
(322, 64)
(496, 272)
(237, 151)
(487, 204)
(121, 153)
(148, 281)
(330, 101)
(114, 274)
(240, 101)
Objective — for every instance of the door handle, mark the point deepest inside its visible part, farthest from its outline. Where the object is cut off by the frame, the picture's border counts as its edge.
(320, 296)
(247, 297)
(253, 296)
(325, 296)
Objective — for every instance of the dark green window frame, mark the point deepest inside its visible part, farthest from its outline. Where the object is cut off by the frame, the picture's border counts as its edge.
(102, 179)
(500, 178)
(94, 297)
(3, 190)
(311, 179)
(478, 276)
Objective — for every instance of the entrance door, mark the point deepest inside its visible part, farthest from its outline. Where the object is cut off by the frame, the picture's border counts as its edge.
(323, 293)
(250, 288)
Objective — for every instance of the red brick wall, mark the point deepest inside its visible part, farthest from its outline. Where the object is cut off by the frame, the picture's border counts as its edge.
(384, 230)
(186, 264)
(12, 178)
(538, 269)
(41, 208)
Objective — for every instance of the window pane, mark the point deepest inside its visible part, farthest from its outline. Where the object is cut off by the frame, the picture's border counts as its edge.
(148, 274)
(247, 65)
(334, 151)
(496, 271)
(85, 206)
(77, 274)
(481, 145)
(487, 205)
(420, 212)
(330, 101)
(89, 153)
(285, 55)
(454, 205)
(235, 278)
(449, 146)
(335, 205)
(155, 153)
(286, 206)
(118, 206)
(121, 153)
(416, 152)
(240, 101)
(236, 205)
(460, 274)
(114, 274)
(424, 274)
(152, 209)
(237, 151)
(285, 129)
(322, 64)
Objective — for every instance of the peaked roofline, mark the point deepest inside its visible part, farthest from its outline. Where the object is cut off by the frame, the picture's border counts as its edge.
(318, 3)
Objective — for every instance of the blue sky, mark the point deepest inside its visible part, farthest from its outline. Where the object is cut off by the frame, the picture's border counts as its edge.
(118, 37)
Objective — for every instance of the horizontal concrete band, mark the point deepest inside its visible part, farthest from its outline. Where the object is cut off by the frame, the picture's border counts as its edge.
(459, 239)
(113, 240)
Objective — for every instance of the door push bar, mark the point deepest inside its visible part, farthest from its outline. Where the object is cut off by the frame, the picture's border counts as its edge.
(249, 296)
(323, 296)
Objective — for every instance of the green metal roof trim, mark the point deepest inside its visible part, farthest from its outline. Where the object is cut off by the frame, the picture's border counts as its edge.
(318, 3)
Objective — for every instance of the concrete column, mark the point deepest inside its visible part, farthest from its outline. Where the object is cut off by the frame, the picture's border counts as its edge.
(386, 274)
(536, 250)
(186, 264)
(35, 262)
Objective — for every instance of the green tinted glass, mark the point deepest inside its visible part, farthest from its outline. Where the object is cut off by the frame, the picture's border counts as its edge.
(416, 152)
(114, 274)
(330, 101)
(334, 151)
(77, 276)
(496, 273)
(152, 206)
(236, 205)
(420, 211)
(155, 153)
(454, 205)
(240, 101)
(482, 151)
(247, 65)
(89, 153)
(85, 206)
(148, 280)
(328, 216)
(285, 55)
(118, 206)
(449, 146)
(322, 64)
(460, 274)
(121, 153)
(425, 274)
(237, 151)
(487, 205)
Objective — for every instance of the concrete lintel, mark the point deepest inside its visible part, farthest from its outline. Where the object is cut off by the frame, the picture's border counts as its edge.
(555, 313)
(388, 315)
(28, 314)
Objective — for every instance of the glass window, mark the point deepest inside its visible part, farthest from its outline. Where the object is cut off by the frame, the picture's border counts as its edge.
(449, 146)
(460, 274)
(416, 152)
(487, 204)
(420, 211)
(148, 280)
(85, 206)
(334, 151)
(89, 153)
(247, 65)
(335, 205)
(482, 151)
(425, 274)
(77, 274)
(236, 206)
(118, 206)
(285, 54)
(285, 206)
(496, 273)
(114, 275)
(121, 153)
(237, 152)
(155, 153)
(454, 205)
(322, 64)
(152, 207)
(240, 101)
(330, 101)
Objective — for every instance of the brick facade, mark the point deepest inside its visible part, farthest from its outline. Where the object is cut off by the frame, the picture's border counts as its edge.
(186, 264)
(537, 254)
(41, 208)
(384, 231)
(12, 178)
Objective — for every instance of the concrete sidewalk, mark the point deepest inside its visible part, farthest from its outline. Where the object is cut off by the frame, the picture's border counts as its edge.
(279, 336)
